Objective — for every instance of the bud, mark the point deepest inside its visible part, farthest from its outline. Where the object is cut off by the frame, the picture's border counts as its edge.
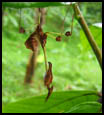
(58, 38)
(68, 33)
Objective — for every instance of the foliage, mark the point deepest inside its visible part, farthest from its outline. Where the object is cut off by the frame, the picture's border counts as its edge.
(32, 4)
(97, 33)
(87, 7)
(60, 102)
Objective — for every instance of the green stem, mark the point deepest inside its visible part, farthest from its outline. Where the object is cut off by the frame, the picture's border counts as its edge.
(45, 58)
(88, 34)
(53, 33)
(20, 18)
(72, 24)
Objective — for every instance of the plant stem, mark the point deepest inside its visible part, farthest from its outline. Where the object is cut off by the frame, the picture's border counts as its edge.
(72, 24)
(20, 18)
(45, 58)
(52, 36)
(53, 33)
(88, 34)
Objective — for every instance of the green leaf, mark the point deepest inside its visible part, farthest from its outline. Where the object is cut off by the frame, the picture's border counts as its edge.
(96, 32)
(86, 107)
(32, 4)
(59, 102)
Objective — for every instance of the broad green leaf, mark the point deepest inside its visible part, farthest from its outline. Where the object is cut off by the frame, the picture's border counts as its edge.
(96, 32)
(59, 102)
(86, 107)
(32, 4)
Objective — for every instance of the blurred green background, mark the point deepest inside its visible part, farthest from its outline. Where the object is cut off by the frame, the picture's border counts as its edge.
(74, 63)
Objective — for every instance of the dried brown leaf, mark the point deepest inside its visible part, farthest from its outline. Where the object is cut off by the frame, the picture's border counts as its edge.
(48, 80)
(49, 92)
(32, 43)
(48, 76)
(38, 36)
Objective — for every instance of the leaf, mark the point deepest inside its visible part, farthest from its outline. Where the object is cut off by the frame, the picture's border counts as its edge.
(48, 76)
(43, 38)
(96, 32)
(50, 90)
(35, 38)
(86, 107)
(32, 43)
(59, 102)
(33, 4)
(48, 80)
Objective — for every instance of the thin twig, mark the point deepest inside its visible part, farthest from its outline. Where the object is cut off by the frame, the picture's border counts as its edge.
(20, 18)
(44, 50)
(64, 21)
(72, 24)
(45, 58)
